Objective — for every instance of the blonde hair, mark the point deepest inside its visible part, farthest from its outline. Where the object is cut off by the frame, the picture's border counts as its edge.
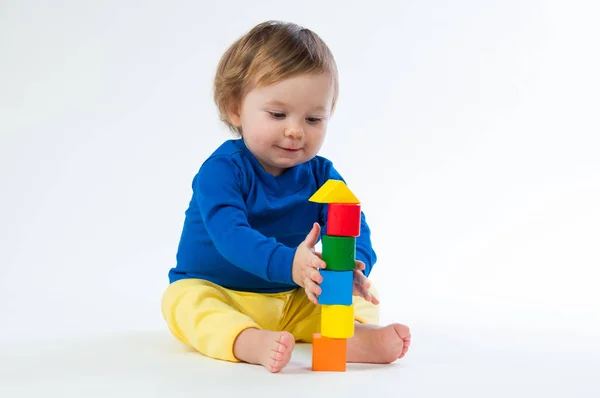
(270, 52)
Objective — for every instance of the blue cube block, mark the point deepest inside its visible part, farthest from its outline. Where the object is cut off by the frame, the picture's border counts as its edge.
(336, 287)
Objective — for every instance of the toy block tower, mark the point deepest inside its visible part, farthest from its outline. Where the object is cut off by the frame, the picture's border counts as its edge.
(339, 252)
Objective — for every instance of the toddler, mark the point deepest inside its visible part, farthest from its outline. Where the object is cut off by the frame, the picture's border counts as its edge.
(246, 281)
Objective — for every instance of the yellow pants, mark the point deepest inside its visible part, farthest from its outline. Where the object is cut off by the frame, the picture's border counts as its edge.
(209, 317)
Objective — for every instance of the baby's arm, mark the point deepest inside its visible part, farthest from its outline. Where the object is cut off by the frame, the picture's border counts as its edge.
(218, 194)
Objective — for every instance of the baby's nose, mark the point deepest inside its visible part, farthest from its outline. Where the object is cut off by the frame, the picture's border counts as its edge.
(294, 132)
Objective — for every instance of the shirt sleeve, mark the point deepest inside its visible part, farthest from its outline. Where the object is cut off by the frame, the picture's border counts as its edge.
(218, 194)
(364, 247)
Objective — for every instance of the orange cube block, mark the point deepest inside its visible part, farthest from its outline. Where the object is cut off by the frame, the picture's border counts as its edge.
(328, 355)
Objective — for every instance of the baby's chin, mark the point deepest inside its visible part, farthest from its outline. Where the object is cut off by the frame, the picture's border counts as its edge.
(287, 163)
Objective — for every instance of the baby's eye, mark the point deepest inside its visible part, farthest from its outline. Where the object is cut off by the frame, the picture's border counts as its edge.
(277, 115)
(313, 120)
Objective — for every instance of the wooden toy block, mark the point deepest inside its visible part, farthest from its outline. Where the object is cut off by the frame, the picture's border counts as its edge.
(334, 191)
(336, 287)
(343, 219)
(329, 355)
(337, 321)
(339, 253)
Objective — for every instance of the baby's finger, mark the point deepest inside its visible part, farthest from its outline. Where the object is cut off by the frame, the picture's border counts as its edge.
(359, 265)
(374, 299)
(314, 275)
(364, 292)
(357, 290)
(367, 295)
(312, 290)
(313, 287)
(311, 297)
(365, 286)
(317, 262)
(312, 237)
(361, 280)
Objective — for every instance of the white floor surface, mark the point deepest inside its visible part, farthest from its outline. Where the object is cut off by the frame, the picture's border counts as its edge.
(442, 363)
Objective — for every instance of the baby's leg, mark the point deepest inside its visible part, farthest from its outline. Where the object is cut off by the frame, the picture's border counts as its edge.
(271, 349)
(372, 343)
(378, 344)
(223, 324)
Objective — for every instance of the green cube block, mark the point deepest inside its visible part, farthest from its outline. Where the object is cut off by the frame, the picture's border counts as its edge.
(339, 252)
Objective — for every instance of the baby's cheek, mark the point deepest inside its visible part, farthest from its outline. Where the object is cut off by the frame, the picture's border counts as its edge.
(258, 140)
(313, 147)
(317, 137)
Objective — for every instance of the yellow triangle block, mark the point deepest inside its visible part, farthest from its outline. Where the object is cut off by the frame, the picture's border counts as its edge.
(334, 191)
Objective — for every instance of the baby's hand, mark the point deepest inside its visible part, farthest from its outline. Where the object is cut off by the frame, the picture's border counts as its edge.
(361, 284)
(305, 269)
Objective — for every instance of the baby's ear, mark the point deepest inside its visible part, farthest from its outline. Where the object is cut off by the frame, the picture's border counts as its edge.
(233, 114)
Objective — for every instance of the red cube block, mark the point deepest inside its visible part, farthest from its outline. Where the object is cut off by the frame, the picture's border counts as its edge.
(343, 219)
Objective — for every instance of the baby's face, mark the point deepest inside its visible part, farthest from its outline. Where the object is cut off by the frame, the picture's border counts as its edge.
(285, 124)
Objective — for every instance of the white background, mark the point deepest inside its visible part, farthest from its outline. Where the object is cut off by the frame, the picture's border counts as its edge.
(468, 129)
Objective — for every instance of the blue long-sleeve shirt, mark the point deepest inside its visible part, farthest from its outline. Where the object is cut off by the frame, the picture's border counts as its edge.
(243, 225)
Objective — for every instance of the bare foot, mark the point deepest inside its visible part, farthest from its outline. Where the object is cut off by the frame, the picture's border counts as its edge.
(377, 344)
(272, 350)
